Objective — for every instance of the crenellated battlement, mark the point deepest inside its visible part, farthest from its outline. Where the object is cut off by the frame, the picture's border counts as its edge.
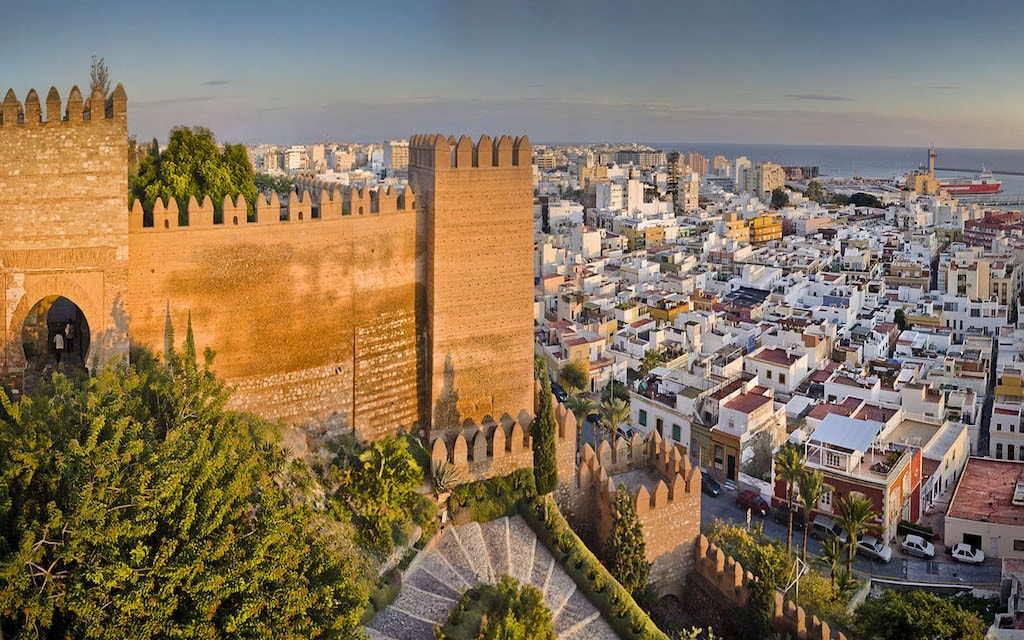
(726, 576)
(30, 114)
(440, 152)
(677, 478)
(309, 204)
(496, 449)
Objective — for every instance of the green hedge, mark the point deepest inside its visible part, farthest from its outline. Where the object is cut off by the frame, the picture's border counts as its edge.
(626, 617)
(923, 530)
(490, 499)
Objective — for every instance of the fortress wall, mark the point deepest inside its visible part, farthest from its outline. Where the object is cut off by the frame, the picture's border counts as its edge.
(312, 320)
(477, 222)
(63, 194)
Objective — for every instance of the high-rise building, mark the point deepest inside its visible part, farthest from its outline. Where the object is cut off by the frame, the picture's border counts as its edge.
(697, 163)
(396, 155)
(741, 169)
(768, 177)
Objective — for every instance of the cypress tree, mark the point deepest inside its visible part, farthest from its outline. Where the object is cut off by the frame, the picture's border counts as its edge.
(545, 466)
(625, 550)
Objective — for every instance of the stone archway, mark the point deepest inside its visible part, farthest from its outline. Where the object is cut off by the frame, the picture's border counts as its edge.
(39, 296)
(51, 320)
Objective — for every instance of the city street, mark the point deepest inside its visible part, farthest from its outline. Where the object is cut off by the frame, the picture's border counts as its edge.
(902, 567)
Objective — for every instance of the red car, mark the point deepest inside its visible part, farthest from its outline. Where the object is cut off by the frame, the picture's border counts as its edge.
(753, 501)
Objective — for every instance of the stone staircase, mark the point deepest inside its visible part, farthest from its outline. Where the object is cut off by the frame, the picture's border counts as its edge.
(464, 556)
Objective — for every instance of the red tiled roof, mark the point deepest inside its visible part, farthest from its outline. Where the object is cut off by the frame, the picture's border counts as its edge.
(775, 356)
(747, 402)
(985, 492)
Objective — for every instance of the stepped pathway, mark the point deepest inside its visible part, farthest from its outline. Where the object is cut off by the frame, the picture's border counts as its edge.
(467, 555)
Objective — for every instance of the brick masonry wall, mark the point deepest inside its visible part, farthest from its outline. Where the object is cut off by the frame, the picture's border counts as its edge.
(312, 322)
(63, 197)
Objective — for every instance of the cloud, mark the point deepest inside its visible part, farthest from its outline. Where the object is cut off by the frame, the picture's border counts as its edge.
(215, 83)
(943, 87)
(820, 97)
(172, 101)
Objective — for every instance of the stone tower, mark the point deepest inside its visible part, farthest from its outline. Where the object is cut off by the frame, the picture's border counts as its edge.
(63, 198)
(474, 278)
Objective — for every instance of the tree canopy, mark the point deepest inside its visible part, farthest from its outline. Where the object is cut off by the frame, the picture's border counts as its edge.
(193, 165)
(545, 464)
(133, 505)
(915, 615)
(625, 551)
(780, 199)
(575, 376)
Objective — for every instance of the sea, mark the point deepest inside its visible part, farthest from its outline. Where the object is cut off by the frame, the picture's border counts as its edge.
(869, 162)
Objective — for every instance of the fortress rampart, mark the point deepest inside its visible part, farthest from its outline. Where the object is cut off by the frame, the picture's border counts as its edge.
(499, 448)
(331, 308)
(666, 492)
(729, 584)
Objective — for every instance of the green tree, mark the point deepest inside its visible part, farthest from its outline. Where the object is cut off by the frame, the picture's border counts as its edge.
(134, 505)
(861, 199)
(545, 462)
(812, 489)
(386, 477)
(650, 360)
(193, 165)
(522, 614)
(780, 199)
(789, 466)
(615, 389)
(855, 513)
(574, 376)
(266, 183)
(832, 553)
(900, 318)
(815, 192)
(624, 550)
(581, 407)
(915, 615)
(614, 413)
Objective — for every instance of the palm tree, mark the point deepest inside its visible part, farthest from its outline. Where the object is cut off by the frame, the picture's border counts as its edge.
(581, 407)
(812, 489)
(614, 413)
(789, 465)
(855, 511)
(832, 555)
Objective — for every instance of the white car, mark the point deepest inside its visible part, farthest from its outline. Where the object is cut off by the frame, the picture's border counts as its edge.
(918, 546)
(871, 547)
(964, 552)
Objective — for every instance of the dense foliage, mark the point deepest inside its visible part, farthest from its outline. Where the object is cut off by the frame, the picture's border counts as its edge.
(574, 376)
(545, 463)
(506, 611)
(625, 550)
(282, 185)
(193, 165)
(916, 615)
(767, 559)
(493, 498)
(133, 505)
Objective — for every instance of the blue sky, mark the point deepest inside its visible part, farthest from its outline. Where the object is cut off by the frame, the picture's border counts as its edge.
(788, 71)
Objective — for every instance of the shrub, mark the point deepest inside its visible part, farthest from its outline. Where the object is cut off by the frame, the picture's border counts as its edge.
(492, 498)
(915, 528)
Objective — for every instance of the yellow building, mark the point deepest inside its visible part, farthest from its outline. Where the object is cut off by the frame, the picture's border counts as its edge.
(642, 238)
(736, 227)
(765, 228)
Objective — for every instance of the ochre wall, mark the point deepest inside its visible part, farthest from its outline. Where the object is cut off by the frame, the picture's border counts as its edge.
(312, 320)
(63, 229)
(477, 227)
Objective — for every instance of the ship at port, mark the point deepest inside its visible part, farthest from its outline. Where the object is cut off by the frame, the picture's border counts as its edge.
(979, 184)
(924, 181)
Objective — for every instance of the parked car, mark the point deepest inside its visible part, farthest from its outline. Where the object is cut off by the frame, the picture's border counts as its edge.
(918, 546)
(559, 392)
(624, 432)
(711, 486)
(872, 547)
(752, 500)
(782, 517)
(823, 528)
(965, 553)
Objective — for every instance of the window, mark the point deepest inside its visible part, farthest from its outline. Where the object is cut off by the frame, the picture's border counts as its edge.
(677, 432)
(832, 459)
(660, 426)
(826, 501)
(769, 374)
(999, 426)
(1018, 545)
(719, 456)
(975, 313)
(999, 451)
(1009, 452)
(643, 417)
(782, 378)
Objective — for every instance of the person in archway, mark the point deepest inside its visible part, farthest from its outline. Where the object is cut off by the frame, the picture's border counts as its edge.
(58, 344)
(69, 337)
